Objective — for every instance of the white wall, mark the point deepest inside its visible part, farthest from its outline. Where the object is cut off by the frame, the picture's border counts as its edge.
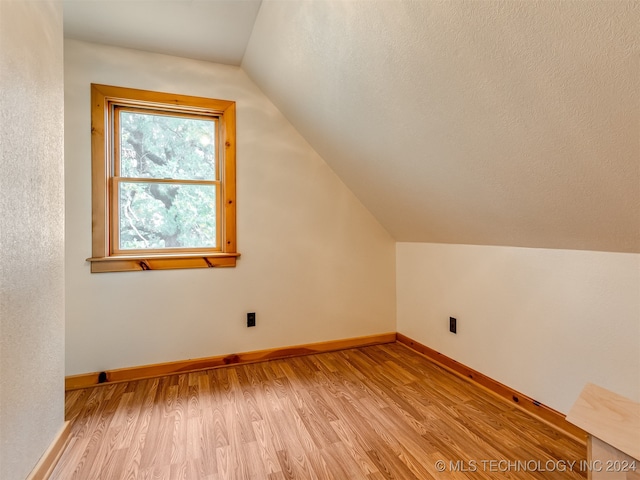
(315, 264)
(544, 322)
(31, 233)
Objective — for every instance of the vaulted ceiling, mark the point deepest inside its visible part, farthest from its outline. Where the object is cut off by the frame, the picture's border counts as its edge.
(482, 122)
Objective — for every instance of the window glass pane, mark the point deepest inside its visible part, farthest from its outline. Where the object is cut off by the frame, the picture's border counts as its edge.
(161, 146)
(165, 215)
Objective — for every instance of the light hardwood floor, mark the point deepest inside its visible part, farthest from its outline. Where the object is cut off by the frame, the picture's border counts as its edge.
(380, 412)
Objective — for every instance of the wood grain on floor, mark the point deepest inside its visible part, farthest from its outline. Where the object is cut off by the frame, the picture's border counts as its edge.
(379, 412)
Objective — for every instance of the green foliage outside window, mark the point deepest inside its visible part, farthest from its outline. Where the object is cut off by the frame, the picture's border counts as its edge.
(172, 212)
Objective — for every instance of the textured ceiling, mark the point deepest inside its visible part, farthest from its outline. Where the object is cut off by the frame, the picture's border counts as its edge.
(484, 122)
(212, 30)
(481, 122)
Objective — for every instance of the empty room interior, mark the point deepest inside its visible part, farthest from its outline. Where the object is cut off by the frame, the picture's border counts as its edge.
(323, 239)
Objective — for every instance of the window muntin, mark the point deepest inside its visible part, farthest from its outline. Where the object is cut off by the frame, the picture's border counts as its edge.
(163, 180)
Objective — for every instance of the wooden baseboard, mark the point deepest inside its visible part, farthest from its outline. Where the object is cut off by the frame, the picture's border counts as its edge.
(527, 404)
(47, 462)
(546, 414)
(75, 382)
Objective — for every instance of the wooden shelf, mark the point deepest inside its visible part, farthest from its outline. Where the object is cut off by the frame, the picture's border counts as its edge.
(609, 417)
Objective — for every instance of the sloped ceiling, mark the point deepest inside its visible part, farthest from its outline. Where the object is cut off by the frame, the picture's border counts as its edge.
(483, 122)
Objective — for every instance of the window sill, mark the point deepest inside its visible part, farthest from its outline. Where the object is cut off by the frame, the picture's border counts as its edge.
(131, 263)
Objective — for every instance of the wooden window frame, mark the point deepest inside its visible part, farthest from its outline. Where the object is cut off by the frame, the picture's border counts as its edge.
(105, 257)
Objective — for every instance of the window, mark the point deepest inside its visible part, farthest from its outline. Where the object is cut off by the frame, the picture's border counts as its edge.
(163, 181)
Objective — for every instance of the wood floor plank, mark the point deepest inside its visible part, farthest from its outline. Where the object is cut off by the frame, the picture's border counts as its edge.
(370, 413)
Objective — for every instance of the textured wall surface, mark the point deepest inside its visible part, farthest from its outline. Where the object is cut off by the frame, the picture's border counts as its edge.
(475, 122)
(31, 233)
(315, 264)
(544, 322)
